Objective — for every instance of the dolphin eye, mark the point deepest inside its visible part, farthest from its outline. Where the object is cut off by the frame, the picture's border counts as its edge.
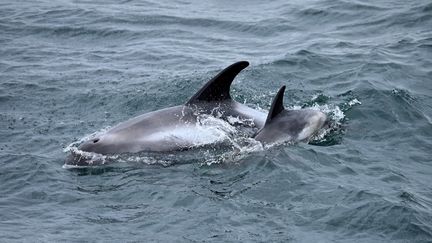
(95, 140)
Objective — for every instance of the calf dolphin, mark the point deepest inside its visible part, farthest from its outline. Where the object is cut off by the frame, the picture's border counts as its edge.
(289, 125)
(175, 128)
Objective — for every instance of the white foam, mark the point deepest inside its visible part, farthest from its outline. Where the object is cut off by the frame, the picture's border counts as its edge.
(354, 102)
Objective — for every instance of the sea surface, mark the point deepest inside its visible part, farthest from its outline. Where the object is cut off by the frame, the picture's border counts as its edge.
(70, 68)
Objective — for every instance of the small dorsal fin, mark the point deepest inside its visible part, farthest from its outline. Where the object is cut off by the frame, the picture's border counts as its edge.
(276, 106)
(217, 89)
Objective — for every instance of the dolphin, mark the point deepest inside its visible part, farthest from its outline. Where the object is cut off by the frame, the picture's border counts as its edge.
(175, 128)
(289, 125)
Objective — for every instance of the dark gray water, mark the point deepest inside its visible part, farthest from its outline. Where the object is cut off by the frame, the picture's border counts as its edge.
(70, 68)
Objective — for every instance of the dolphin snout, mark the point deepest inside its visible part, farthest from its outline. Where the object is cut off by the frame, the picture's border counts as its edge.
(316, 120)
(82, 157)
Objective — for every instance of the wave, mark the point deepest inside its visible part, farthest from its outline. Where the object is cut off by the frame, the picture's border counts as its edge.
(370, 212)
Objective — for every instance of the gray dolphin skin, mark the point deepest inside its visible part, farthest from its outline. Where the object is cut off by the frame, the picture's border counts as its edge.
(289, 125)
(175, 128)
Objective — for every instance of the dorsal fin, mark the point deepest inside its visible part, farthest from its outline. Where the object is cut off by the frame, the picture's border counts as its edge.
(276, 106)
(217, 89)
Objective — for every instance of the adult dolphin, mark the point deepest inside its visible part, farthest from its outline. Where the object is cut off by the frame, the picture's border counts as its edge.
(175, 128)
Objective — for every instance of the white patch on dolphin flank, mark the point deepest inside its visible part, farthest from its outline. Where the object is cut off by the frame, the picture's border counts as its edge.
(208, 130)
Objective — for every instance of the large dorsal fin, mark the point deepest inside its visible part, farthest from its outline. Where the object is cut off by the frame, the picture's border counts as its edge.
(217, 89)
(276, 106)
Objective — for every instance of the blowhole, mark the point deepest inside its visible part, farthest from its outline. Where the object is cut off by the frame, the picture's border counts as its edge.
(96, 140)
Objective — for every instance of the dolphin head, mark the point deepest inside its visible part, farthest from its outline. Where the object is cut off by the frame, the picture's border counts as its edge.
(108, 143)
(313, 122)
(290, 125)
(88, 153)
(91, 152)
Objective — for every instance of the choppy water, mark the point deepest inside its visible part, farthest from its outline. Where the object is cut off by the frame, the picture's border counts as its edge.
(70, 68)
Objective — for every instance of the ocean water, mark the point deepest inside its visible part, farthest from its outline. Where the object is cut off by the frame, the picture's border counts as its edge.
(72, 68)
